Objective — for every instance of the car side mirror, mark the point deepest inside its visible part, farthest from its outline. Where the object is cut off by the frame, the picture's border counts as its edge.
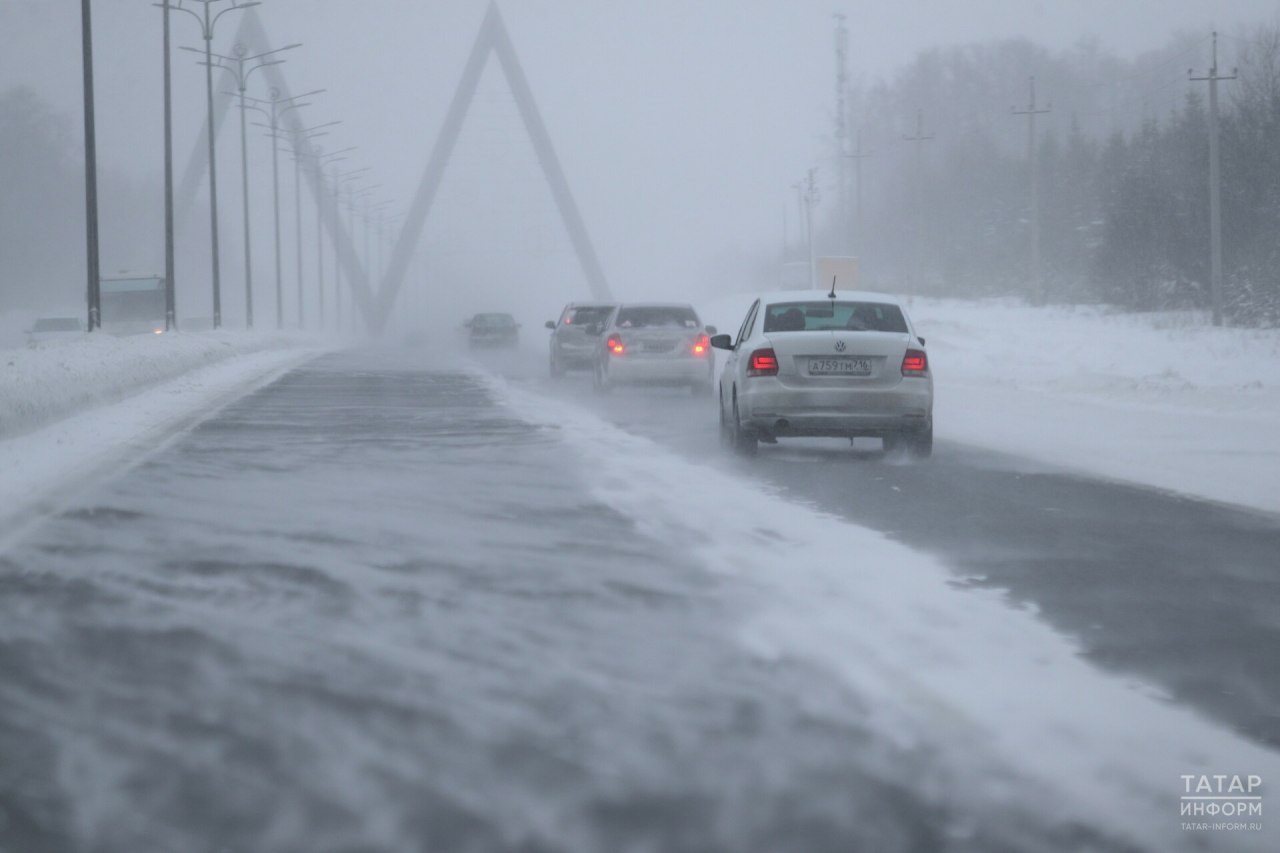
(921, 340)
(550, 324)
(722, 341)
(710, 330)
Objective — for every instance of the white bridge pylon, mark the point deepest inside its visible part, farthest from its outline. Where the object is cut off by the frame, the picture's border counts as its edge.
(492, 39)
(376, 308)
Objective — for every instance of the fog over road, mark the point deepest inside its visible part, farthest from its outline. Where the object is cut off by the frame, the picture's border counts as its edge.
(369, 608)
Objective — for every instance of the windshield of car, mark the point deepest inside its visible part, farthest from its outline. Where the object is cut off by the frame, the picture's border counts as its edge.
(831, 315)
(657, 316)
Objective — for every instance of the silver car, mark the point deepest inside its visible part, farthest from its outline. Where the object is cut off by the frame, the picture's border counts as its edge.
(657, 344)
(842, 364)
(575, 337)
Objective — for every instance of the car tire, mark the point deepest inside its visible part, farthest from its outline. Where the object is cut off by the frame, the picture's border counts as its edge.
(726, 434)
(555, 369)
(745, 442)
(920, 444)
(600, 379)
(915, 444)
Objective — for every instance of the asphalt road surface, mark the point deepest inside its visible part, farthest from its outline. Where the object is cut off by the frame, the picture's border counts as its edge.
(1183, 592)
(366, 608)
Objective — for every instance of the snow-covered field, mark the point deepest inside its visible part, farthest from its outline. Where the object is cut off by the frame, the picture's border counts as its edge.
(1161, 400)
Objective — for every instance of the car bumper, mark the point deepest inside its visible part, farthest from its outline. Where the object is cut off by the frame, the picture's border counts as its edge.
(659, 370)
(576, 356)
(770, 408)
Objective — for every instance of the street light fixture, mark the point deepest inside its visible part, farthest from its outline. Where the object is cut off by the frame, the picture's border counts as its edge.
(300, 138)
(321, 160)
(338, 180)
(237, 66)
(207, 23)
(278, 107)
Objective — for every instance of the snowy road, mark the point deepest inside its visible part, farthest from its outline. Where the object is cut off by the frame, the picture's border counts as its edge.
(1178, 591)
(370, 607)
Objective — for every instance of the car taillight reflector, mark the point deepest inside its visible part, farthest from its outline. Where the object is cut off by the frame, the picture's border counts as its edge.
(915, 363)
(701, 345)
(764, 362)
(615, 346)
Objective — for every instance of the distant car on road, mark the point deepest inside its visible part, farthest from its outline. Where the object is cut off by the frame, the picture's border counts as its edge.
(493, 330)
(843, 364)
(575, 337)
(655, 343)
(54, 328)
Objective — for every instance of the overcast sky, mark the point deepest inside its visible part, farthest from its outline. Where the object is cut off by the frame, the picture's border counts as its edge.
(681, 124)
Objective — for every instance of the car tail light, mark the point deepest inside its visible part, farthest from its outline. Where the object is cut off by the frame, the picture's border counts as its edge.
(915, 363)
(615, 346)
(701, 345)
(764, 362)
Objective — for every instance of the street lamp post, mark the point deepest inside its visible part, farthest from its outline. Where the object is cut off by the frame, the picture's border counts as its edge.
(338, 180)
(237, 66)
(274, 109)
(207, 24)
(170, 288)
(94, 293)
(300, 138)
(321, 160)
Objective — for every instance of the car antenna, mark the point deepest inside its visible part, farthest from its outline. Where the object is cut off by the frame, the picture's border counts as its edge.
(832, 294)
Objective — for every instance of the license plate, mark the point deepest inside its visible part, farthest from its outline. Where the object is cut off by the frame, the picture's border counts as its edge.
(839, 367)
(657, 347)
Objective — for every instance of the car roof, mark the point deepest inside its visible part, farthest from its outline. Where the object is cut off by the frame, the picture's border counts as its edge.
(776, 296)
(655, 305)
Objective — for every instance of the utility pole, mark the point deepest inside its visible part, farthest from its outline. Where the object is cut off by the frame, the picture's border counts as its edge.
(857, 156)
(842, 85)
(919, 139)
(807, 192)
(1033, 166)
(93, 292)
(1215, 185)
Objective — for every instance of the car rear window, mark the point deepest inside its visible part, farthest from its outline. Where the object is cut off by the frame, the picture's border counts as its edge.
(650, 316)
(493, 320)
(587, 314)
(830, 315)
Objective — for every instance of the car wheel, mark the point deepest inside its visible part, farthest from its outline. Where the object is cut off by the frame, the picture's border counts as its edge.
(600, 379)
(744, 440)
(726, 434)
(920, 444)
(556, 370)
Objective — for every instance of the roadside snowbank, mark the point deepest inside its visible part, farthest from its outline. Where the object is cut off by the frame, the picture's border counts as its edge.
(1161, 400)
(44, 382)
(41, 469)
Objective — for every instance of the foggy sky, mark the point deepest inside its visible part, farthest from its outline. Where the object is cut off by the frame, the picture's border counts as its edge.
(681, 126)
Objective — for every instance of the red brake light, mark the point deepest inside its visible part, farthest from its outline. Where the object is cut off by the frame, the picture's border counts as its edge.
(764, 362)
(701, 345)
(915, 363)
(615, 346)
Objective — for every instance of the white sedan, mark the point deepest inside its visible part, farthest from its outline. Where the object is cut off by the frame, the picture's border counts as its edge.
(842, 364)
